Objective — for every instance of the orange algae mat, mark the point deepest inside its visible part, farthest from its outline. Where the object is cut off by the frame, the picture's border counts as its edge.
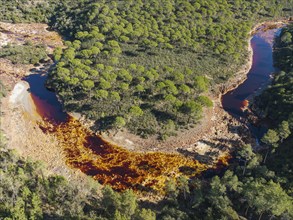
(116, 166)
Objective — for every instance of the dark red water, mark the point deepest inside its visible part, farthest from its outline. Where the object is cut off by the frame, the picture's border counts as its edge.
(48, 106)
(117, 166)
(258, 76)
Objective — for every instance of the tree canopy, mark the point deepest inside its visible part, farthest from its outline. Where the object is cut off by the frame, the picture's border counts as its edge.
(163, 57)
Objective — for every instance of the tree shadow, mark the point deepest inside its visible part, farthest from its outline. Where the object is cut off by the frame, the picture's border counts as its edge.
(207, 158)
(152, 53)
(234, 128)
(80, 96)
(213, 145)
(130, 53)
(103, 124)
(72, 107)
(226, 144)
(186, 170)
(162, 116)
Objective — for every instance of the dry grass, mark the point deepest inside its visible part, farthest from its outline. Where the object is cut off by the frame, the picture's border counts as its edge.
(23, 135)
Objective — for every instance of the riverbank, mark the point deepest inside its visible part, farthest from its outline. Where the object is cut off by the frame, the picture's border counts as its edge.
(241, 74)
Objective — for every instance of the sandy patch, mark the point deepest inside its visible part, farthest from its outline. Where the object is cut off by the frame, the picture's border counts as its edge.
(4, 40)
(18, 122)
(36, 33)
(21, 98)
(17, 93)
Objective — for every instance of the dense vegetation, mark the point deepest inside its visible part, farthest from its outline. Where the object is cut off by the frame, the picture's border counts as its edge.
(25, 193)
(276, 103)
(277, 100)
(17, 11)
(247, 189)
(28, 192)
(24, 54)
(251, 190)
(147, 65)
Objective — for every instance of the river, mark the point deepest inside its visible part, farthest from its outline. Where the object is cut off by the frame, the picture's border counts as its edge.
(259, 75)
(125, 169)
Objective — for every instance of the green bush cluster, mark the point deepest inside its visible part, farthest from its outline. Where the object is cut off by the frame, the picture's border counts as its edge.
(174, 45)
(20, 11)
(24, 54)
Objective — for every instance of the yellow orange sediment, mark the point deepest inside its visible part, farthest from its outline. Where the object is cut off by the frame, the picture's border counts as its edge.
(113, 165)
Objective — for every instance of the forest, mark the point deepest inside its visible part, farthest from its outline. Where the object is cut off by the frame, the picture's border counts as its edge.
(149, 66)
(146, 66)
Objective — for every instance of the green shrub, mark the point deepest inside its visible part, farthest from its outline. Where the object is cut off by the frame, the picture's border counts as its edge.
(24, 54)
(205, 101)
